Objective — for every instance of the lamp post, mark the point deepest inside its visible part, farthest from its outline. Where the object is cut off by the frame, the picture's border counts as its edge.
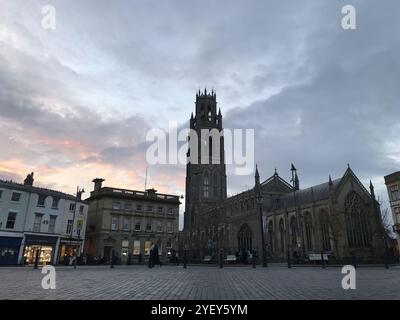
(78, 196)
(259, 199)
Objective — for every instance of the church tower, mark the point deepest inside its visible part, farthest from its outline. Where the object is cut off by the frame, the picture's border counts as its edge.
(205, 169)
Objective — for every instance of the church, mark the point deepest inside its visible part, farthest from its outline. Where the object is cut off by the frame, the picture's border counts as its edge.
(276, 219)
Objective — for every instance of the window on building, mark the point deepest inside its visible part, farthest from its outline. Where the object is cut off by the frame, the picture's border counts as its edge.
(147, 246)
(138, 225)
(127, 223)
(397, 213)
(148, 225)
(205, 185)
(12, 216)
(170, 227)
(308, 229)
(128, 206)
(116, 205)
(52, 224)
(81, 208)
(72, 207)
(114, 223)
(16, 196)
(149, 209)
(170, 211)
(394, 192)
(55, 203)
(136, 247)
(159, 226)
(1, 193)
(160, 210)
(139, 207)
(41, 200)
(69, 226)
(357, 227)
(37, 223)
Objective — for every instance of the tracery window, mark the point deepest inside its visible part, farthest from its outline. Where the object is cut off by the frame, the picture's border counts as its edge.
(325, 235)
(206, 184)
(308, 230)
(358, 231)
(282, 234)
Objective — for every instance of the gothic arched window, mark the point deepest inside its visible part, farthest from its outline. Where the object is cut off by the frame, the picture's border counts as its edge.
(206, 183)
(282, 234)
(308, 229)
(215, 185)
(358, 231)
(271, 236)
(325, 235)
(245, 238)
(293, 229)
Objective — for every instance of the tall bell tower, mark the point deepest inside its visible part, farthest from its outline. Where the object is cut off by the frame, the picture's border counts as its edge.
(205, 169)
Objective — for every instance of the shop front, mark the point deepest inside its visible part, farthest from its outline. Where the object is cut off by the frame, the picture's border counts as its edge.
(69, 250)
(44, 246)
(9, 250)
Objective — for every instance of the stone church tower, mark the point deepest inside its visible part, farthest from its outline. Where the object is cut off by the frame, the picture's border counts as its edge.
(205, 169)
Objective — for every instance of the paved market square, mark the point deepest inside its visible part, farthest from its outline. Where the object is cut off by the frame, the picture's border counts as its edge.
(199, 283)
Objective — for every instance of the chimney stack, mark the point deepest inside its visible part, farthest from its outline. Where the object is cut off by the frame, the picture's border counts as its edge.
(97, 184)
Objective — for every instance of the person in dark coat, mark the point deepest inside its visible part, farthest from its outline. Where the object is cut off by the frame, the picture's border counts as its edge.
(156, 257)
(151, 256)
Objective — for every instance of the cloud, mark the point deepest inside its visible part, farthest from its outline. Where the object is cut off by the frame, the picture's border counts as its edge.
(77, 102)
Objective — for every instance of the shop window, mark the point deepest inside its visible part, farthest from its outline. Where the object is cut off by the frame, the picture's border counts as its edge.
(12, 216)
(16, 196)
(147, 246)
(136, 247)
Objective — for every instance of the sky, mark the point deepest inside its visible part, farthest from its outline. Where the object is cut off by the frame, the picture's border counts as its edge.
(77, 102)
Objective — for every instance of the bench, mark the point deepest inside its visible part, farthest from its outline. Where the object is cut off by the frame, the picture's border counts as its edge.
(317, 257)
(231, 258)
(207, 259)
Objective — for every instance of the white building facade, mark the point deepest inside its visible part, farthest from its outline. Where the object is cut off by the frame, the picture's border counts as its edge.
(392, 182)
(39, 222)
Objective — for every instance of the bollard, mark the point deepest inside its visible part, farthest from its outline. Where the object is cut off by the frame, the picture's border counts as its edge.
(322, 260)
(221, 261)
(112, 259)
(184, 259)
(36, 259)
(289, 262)
(75, 261)
(254, 260)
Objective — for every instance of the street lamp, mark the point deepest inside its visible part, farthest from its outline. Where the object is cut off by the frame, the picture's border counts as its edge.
(77, 197)
(259, 199)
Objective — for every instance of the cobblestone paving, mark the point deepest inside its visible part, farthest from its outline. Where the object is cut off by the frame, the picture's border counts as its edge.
(199, 283)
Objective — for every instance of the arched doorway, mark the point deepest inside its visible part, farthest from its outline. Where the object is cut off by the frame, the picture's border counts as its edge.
(245, 238)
